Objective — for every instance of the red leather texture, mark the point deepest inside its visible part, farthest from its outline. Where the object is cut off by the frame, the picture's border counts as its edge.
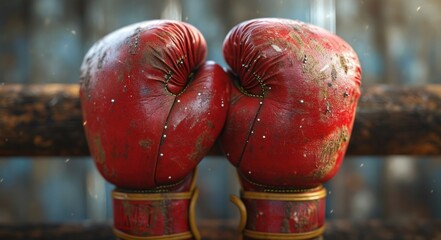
(293, 104)
(152, 106)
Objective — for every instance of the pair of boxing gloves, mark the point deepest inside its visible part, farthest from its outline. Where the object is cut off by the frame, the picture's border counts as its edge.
(283, 111)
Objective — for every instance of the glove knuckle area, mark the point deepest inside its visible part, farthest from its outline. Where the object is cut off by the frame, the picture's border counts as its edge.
(194, 122)
(256, 53)
(125, 96)
(308, 80)
(174, 51)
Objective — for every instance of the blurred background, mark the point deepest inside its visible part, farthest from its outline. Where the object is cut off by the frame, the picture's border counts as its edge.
(44, 41)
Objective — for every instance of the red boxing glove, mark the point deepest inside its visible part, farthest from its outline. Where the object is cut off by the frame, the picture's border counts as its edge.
(152, 109)
(289, 122)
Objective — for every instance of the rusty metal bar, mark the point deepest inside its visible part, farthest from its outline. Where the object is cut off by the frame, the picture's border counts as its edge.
(45, 120)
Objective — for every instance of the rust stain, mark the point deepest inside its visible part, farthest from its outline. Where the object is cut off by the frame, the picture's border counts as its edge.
(328, 107)
(329, 152)
(127, 208)
(210, 124)
(134, 41)
(309, 65)
(343, 63)
(145, 144)
(120, 75)
(285, 227)
(85, 81)
(333, 73)
(297, 38)
(101, 158)
(166, 216)
(319, 48)
(101, 60)
(199, 148)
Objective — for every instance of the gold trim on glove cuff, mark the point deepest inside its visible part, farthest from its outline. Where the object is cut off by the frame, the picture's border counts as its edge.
(177, 236)
(301, 196)
(151, 196)
(192, 215)
(193, 195)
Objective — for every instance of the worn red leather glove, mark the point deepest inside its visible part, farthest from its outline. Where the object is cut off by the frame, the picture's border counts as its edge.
(152, 109)
(289, 122)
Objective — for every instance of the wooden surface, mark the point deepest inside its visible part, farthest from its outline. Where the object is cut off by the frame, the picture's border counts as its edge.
(336, 229)
(45, 120)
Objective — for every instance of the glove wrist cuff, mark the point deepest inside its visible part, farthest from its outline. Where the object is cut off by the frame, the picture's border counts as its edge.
(154, 216)
(294, 215)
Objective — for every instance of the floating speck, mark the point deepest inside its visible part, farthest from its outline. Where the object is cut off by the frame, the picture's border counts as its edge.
(199, 94)
(84, 123)
(73, 32)
(260, 103)
(332, 210)
(330, 192)
(418, 8)
(263, 136)
(161, 154)
(185, 108)
(53, 101)
(222, 105)
(228, 154)
(431, 191)
(304, 155)
(252, 132)
(186, 18)
(362, 165)
(112, 100)
(367, 27)
(67, 160)
(165, 127)
(164, 135)
(301, 101)
(249, 172)
(179, 100)
(1, 180)
(169, 177)
(258, 119)
(300, 126)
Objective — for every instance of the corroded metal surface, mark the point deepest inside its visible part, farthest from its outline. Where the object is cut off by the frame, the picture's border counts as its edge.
(398, 120)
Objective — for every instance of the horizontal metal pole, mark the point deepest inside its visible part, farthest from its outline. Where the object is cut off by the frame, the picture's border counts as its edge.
(45, 120)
